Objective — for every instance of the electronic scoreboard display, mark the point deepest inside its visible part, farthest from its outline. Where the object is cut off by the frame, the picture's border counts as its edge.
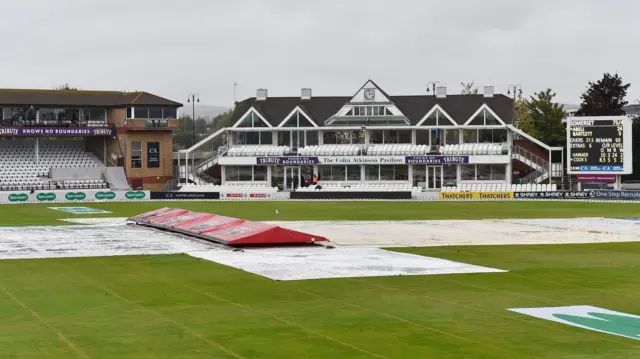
(599, 145)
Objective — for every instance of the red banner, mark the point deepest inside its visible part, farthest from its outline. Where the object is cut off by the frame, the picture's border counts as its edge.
(234, 195)
(596, 178)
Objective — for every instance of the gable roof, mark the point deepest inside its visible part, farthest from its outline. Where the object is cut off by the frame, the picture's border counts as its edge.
(302, 112)
(358, 97)
(320, 109)
(77, 98)
(254, 111)
(436, 109)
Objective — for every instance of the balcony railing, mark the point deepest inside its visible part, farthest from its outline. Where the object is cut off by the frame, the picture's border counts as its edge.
(149, 124)
(367, 121)
(52, 123)
(156, 123)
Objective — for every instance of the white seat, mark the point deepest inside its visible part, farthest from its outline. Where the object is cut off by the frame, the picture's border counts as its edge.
(19, 171)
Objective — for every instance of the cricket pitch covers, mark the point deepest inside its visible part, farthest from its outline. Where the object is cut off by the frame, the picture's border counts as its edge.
(112, 236)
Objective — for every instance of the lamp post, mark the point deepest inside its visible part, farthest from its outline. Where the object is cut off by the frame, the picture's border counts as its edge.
(235, 84)
(433, 86)
(515, 89)
(193, 98)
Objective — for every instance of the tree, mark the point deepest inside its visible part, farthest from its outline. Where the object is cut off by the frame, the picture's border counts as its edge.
(545, 121)
(523, 114)
(605, 97)
(468, 89)
(183, 137)
(222, 120)
(66, 87)
(201, 125)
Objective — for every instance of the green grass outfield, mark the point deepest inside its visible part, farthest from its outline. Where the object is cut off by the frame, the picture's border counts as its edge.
(180, 307)
(40, 214)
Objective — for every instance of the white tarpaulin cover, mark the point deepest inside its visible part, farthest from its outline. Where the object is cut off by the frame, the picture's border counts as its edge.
(357, 252)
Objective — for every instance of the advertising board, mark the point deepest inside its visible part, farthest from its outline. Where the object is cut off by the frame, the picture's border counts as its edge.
(234, 195)
(553, 195)
(325, 195)
(476, 195)
(619, 195)
(57, 131)
(358, 160)
(245, 195)
(596, 178)
(153, 154)
(72, 196)
(436, 159)
(185, 195)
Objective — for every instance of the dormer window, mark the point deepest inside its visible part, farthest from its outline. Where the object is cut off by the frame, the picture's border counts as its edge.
(369, 111)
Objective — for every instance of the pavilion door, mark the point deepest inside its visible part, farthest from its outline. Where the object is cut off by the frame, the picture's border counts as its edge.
(291, 173)
(434, 177)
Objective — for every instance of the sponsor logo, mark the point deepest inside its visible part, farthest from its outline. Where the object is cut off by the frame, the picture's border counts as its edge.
(304, 160)
(554, 195)
(46, 196)
(234, 195)
(9, 131)
(18, 197)
(184, 195)
(135, 195)
(588, 317)
(596, 178)
(75, 196)
(615, 194)
(476, 195)
(258, 195)
(50, 131)
(103, 132)
(290, 160)
(105, 195)
(436, 159)
(79, 210)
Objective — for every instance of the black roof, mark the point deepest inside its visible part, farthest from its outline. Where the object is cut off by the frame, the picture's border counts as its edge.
(320, 109)
(78, 98)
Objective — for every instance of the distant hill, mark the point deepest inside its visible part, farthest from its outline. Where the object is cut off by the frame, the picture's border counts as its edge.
(207, 112)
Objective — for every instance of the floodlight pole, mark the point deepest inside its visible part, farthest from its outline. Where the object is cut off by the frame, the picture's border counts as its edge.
(235, 84)
(433, 85)
(562, 168)
(193, 98)
(515, 89)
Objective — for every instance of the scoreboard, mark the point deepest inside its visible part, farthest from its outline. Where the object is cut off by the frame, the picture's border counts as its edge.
(599, 145)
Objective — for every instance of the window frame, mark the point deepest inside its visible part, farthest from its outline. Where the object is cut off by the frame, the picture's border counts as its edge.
(132, 151)
(237, 170)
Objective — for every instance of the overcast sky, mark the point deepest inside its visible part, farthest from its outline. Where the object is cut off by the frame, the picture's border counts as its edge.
(172, 48)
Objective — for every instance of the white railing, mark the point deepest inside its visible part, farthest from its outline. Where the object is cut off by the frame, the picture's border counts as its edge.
(541, 167)
(529, 158)
(200, 157)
